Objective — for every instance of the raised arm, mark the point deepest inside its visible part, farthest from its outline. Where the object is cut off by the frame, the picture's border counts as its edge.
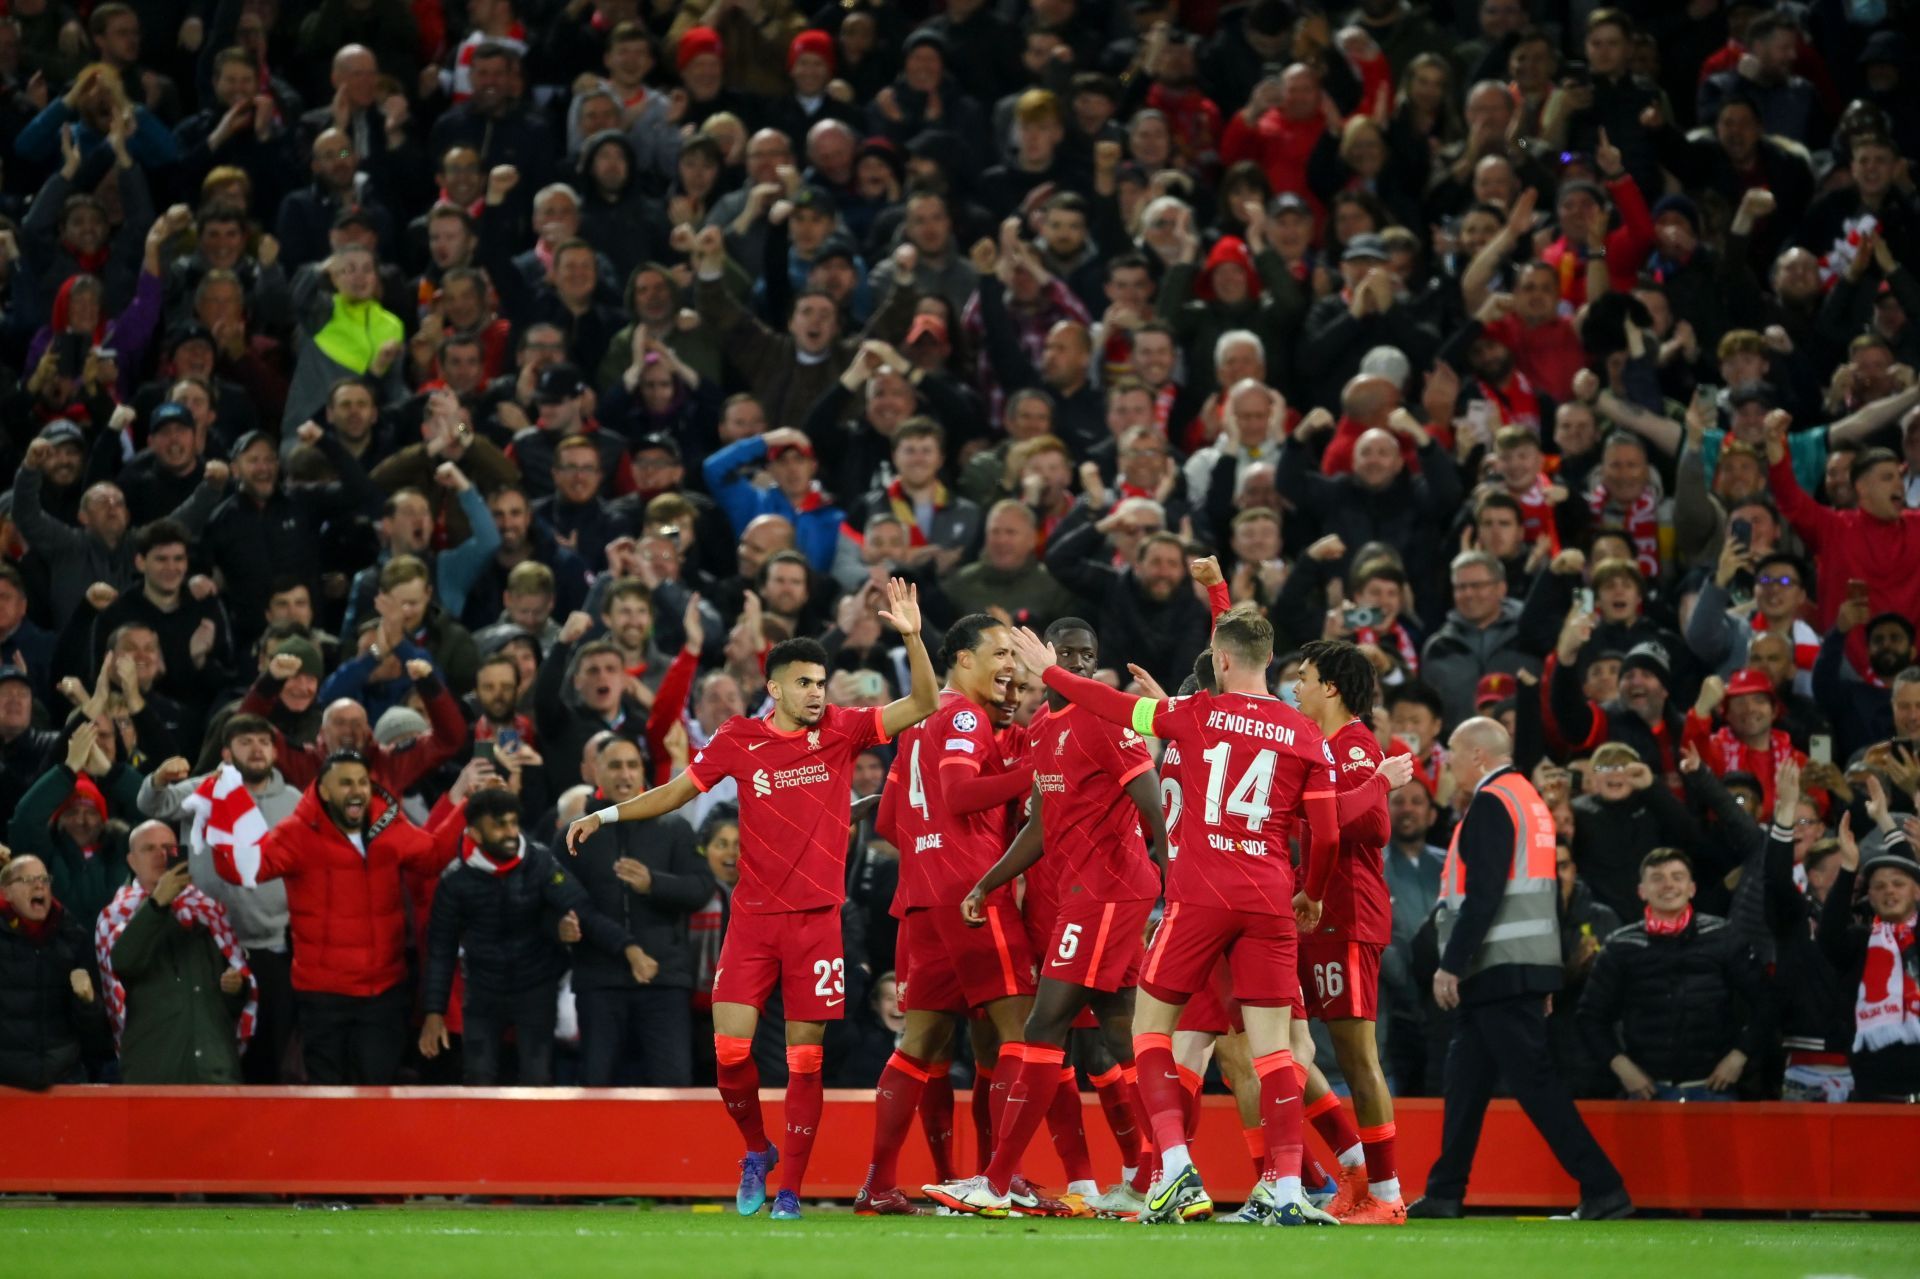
(903, 614)
(1110, 704)
(645, 806)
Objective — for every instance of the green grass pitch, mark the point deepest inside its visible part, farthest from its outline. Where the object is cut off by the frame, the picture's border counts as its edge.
(75, 1242)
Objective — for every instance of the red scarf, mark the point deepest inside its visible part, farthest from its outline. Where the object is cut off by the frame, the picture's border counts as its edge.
(1537, 516)
(1657, 927)
(1727, 753)
(191, 909)
(1886, 1011)
(1402, 644)
(1805, 641)
(1516, 402)
(36, 931)
(477, 857)
(904, 510)
(1642, 522)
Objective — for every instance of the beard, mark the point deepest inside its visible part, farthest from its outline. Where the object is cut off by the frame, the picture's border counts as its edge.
(351, 825)
(254, 776)
(1887, 664)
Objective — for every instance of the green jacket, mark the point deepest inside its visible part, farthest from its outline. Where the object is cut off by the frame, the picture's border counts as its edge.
(180, 1026)
(84, 885)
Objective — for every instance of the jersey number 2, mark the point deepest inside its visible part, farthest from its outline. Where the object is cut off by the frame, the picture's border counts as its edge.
(1249, 797)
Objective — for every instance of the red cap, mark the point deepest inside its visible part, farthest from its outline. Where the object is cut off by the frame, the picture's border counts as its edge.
(85, 791)
(811, 41)
(1497, 687)
(927, 326)
(696, 41)
(1749, 682)
(790, 447)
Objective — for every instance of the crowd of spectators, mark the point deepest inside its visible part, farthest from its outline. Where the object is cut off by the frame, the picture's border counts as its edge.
(422, 438)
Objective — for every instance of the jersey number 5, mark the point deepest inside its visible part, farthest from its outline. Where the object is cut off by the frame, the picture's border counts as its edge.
(1249, 797)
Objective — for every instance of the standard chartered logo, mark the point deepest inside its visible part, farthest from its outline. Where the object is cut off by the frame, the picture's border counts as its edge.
(762, 784)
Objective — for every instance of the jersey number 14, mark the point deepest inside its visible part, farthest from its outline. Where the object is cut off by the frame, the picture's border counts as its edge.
(1248, 799)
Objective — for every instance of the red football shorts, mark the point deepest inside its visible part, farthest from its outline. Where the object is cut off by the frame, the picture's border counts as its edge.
(1096, 944)
(1260, 951)
(1340, 977)
(1213, 1009)
(800, 949)
(953, 968)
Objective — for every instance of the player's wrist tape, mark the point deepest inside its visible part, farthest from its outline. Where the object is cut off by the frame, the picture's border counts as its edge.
(609, 815)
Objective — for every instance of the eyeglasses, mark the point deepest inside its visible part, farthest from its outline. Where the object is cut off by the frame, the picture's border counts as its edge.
(1773, 579)
(1809, 821)
(33, 881)
(341, 153)
(572, 468)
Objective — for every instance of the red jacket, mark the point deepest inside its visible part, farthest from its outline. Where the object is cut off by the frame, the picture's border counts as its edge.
(348, 916)
(1627, 246)
(1850, 545)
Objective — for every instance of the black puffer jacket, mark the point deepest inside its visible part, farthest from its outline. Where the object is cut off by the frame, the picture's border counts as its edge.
(1675, 1005)
(509, 927)
(1610, 836)
(657, 918)
(43, 1026)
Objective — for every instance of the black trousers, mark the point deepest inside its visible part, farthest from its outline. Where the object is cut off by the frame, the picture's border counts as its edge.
(636, 1038)
(273, 1028)
(488, 1015)
(354, 1039)
(1508, 1038)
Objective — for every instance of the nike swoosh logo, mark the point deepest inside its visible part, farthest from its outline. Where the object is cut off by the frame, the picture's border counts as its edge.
(1061, 963)
(756, 746)
(834, 1003)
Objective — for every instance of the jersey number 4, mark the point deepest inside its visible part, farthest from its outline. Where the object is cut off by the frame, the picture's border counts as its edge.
(916, 791)
(1249, 797)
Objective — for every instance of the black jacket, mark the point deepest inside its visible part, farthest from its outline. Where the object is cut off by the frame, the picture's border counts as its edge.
(1675, 1005)
(1164, 636)
(503, 929)
(1813, 1004)
(42, 1025)
(655, 919)
(1611, 836)
(1409, 513)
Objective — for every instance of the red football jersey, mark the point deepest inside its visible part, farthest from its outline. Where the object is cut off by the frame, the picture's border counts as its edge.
(1249, 762)
(1041, 898)
(904, 822)
(794, 800)
(959, 744)
(1082, 765)
(1356, 905)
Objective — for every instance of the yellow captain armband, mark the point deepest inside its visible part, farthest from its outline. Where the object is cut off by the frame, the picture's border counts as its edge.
(1143, 712)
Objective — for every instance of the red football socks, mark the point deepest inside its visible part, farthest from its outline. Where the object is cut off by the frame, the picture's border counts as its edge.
(1148, 1157)
(739, 1081)
(1256, 1139)
(1066, 1120)
(805, 1099)
(1190, 1084)
(936, 1118)
(1378, 1143)
(1329, 1119)
(1006, 1068)
(1280, 1113)
(1033, 1072)
(1160, 1089)
(1111, 1087)
(895, 1099)
(981, 1104)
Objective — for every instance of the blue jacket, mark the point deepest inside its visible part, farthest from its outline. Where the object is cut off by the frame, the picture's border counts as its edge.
(152, 145)
(816, 530)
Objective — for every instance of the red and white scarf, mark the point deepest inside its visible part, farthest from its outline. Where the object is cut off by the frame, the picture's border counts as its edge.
(227, 823)
(1401, 641)
(1805, 640)
(1887, 1009)
(1515, 402)
(477, 857)
(1658, 927)
(1727, 753)
(1537, 516)
(1642, 522)
(192, 909)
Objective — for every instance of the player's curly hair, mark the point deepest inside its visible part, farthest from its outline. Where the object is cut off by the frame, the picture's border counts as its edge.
(789, 651)
(964, 636)
(1344, 666)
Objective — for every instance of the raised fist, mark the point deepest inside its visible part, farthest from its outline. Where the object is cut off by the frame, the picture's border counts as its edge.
(501, 182)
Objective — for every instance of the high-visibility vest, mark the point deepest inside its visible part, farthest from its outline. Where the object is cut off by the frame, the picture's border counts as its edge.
(1526, 928)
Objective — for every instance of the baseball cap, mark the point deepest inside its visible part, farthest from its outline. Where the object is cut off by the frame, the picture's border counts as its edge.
(1748, 682)
(1753, 393)
(1649, 656)
(1288, 202)
(791, 447)
(10, 672)
(1496, 686)
(657, 442)
(927, 326)
(63, 431)
(817, 198)
(559, 382)
(1365, 247)
(836, 246)
(189, 331)
(170, 414)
